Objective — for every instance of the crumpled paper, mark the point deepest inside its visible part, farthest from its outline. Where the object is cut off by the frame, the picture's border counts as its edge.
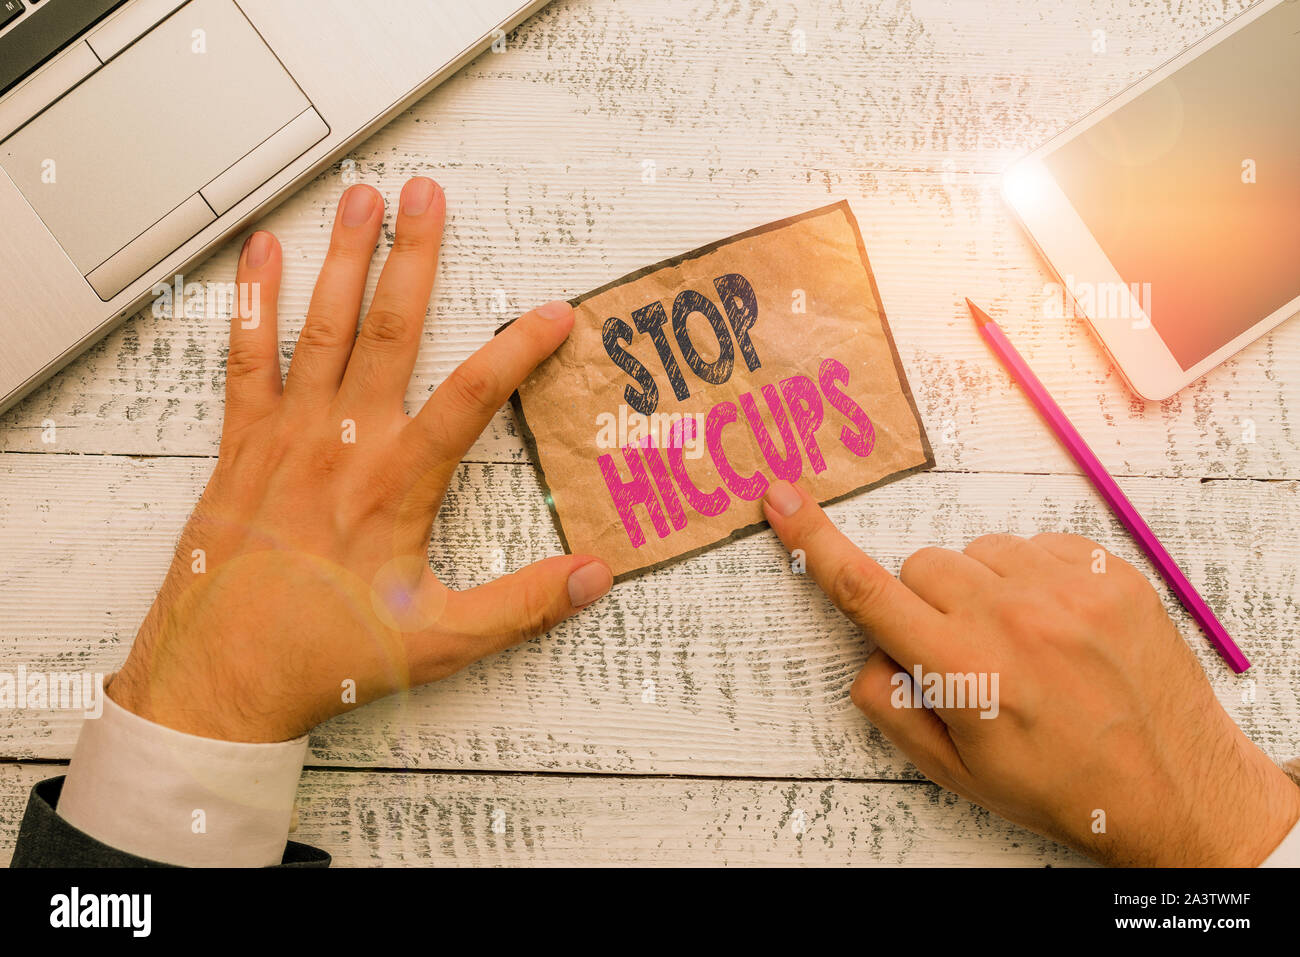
(804, 311)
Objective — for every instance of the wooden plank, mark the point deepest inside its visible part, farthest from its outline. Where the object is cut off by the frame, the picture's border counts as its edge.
(749, 664)
(906, 107)
(366, 819)
(541, 151)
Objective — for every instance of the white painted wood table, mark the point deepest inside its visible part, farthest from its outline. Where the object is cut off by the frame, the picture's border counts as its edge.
(749, 750)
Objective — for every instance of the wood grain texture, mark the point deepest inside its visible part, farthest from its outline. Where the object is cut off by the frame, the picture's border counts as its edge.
(367, 819)
(750, 663)
(906, 109)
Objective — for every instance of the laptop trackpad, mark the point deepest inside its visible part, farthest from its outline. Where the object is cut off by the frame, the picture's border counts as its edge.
(140, 138)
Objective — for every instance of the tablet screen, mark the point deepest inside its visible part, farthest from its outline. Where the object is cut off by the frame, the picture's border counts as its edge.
(1193, 188)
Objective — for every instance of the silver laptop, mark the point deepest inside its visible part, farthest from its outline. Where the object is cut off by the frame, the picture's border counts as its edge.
(136, 135)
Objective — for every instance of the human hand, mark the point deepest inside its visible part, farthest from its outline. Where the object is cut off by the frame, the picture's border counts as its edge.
(303, 571)
(1100, 705)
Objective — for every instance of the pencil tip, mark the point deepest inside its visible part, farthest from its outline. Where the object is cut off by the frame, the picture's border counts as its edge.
(979, 315)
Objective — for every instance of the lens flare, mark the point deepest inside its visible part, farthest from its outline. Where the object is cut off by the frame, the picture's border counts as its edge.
(1026, 185)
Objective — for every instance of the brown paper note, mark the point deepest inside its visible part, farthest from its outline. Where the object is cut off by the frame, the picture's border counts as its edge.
(688, 386)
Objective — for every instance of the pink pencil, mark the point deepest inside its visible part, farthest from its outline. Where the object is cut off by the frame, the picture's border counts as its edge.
(1101, 480)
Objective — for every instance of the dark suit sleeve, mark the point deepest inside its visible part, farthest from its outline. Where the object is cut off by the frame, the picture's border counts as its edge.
(47, 840)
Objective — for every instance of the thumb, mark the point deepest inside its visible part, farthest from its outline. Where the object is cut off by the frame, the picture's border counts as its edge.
(489, 618)
(919, 733)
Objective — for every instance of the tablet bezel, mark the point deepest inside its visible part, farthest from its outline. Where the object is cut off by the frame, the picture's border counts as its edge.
(1076, 257)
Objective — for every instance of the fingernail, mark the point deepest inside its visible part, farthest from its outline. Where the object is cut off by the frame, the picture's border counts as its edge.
(588, 583)
(358, 204)
(554, 310)
(417, 194)
(783, 497)
(257, 250)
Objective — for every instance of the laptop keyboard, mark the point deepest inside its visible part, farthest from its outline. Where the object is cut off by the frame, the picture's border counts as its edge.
(32, 31)
(10, 10)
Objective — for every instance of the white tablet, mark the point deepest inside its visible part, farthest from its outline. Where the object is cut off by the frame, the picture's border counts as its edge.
(1171, 214)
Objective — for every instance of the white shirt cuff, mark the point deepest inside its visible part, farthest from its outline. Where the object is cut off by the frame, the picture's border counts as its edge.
(178, 798)
(1287, 854)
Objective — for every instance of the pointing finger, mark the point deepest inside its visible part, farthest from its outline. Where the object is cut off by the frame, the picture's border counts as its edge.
(899, 621)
